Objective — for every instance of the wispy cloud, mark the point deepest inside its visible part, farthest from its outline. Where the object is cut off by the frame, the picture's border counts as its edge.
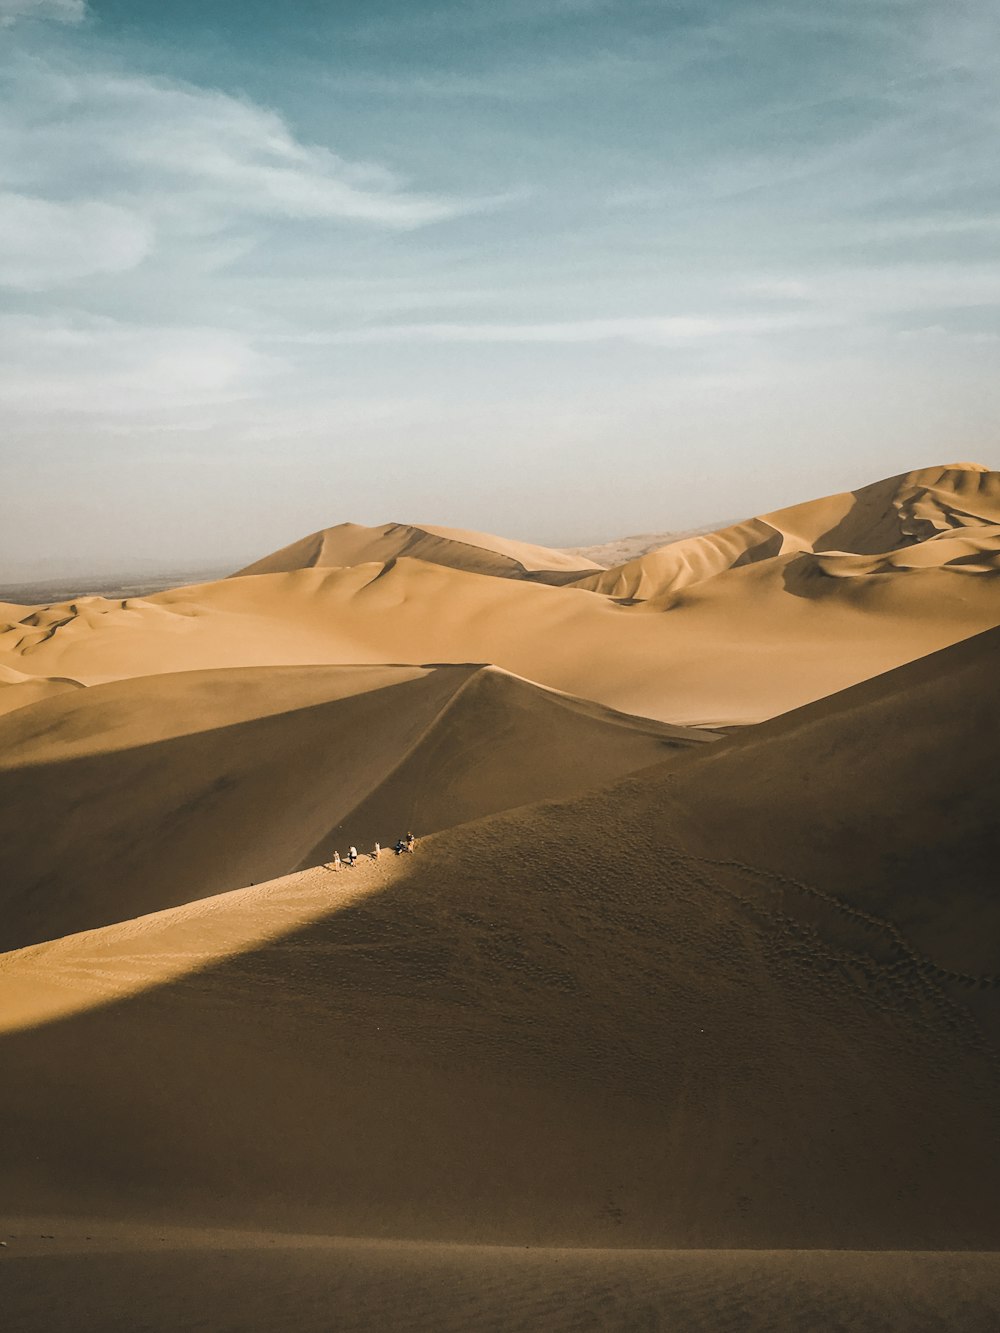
(58, 11)
(86, 366)
(650, 331)
(46, 242)
(101, 167)
(294, 243)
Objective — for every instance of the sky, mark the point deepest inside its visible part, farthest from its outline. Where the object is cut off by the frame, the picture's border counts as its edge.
(558, 269)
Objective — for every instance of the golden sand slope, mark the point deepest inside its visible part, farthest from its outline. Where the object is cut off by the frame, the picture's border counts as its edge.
(140, 794)
(899, 515)
(476, 552)
(734, 627)
(743, 646)
(641, 1016)
(18, 689)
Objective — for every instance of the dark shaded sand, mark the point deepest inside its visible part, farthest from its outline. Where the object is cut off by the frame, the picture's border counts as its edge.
(709, 1041)
(615, 1020)
(95, 1278)
(142, 794)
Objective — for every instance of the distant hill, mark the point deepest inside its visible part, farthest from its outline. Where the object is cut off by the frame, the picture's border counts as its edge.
(716, 630)
(941, 510)
(454, 548)
(620, 550)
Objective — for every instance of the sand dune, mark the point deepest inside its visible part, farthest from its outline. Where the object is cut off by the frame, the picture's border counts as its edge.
(744, 997)
(730, 628)
(677, 1011)
(622, 549)
(18, 689)
(215, 1281)
(735, 649)
(476, 552)
(888, 516)
(141, 794)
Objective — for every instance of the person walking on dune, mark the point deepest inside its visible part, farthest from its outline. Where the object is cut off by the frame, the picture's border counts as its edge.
(376, 851)
(411, 842)
(352, 855)
(336, 862)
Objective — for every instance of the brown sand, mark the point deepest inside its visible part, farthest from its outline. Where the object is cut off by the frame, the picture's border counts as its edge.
(622, 549)
(17, 689)
(735, 633)
(142, 794)
(162, 1279)
(887, 516)
(743, 998)
(455, 548)
(616, 1020)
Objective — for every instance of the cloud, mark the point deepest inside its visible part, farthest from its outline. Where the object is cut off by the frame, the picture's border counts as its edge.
(59, 11)
(91, 366)
(43, 242)
(653, 331)
(100, 166)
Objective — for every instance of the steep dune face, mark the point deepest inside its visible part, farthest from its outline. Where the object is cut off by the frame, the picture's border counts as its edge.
(502, 742)
(476, 552)
(641, 1016)
(891, 516)
(141, 794)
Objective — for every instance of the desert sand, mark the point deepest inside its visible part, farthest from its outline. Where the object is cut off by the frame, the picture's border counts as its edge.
(139, 794)
(476, 552)
(719, 630)
(683, 1013)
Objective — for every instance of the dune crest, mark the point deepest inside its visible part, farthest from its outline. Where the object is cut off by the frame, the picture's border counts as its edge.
(476, 552)
(660, 1013)
(651, 1013)
(140, 794)
(716, 630)
(887, 516)
(18, 688)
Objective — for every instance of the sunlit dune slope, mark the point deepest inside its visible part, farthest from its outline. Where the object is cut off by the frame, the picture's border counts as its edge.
(743, 646)
(721, 629)
(475, 552)
(640, 1016)
(140, 794)
(18, 689)
(908, 521)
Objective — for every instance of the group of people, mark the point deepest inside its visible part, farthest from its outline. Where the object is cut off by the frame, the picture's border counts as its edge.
(405, 844)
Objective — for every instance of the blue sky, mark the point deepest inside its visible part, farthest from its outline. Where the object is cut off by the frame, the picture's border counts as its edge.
(562, 269)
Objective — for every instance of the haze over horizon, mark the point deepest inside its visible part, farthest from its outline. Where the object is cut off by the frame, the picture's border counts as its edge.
(561, 270)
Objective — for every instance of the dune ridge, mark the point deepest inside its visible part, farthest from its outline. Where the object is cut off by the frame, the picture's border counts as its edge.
(625, 1018)
(894, 515)
(18, 688)
(140, 794)
(717, 630)
(663, 1026)
(454, 548)
(745, 645)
